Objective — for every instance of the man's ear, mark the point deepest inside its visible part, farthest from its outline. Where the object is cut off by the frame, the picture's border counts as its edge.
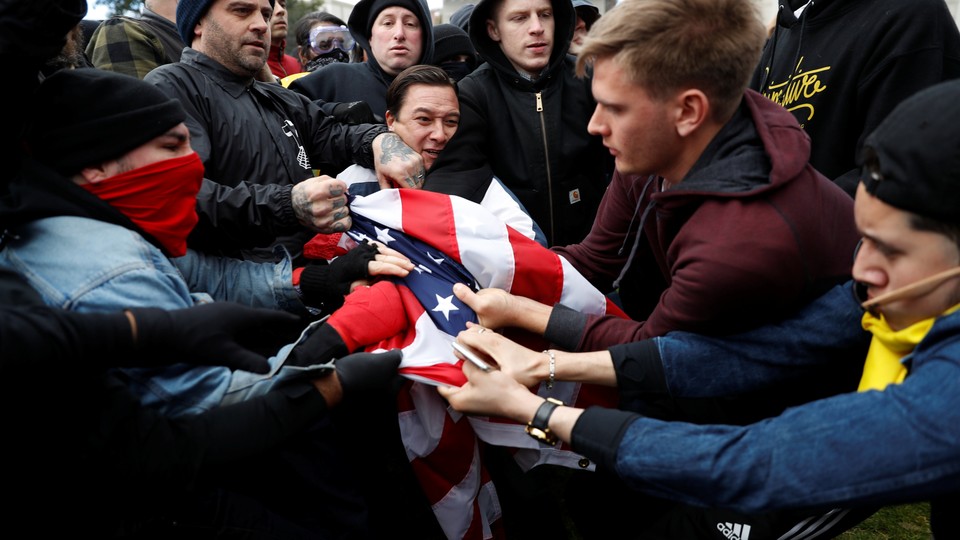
(390, 118)
(92, 175)
(692, 111)
(493, 31)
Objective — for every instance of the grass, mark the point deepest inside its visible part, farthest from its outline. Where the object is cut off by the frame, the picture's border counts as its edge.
(906, 522)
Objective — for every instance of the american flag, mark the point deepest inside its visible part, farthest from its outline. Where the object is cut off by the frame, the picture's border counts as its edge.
(452, 240)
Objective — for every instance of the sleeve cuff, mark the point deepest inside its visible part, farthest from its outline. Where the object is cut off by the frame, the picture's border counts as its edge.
(598, 432)
(285, 214)
(565, 327)
(639, 370)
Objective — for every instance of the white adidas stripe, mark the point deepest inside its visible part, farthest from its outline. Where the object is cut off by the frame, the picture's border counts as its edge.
(812, 528)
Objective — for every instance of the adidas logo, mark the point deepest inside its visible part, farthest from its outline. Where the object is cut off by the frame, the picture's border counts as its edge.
(734, 531)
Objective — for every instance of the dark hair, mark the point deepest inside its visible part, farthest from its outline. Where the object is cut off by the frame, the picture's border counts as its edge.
(419, 74)
(870, 174)
(304, 24)
(924, 223)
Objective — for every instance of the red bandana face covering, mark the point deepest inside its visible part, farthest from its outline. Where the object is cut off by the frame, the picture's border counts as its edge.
(161, 198)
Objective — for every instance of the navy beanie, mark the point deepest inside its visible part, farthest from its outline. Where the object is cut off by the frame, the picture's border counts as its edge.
(91, 115)
(188, 15)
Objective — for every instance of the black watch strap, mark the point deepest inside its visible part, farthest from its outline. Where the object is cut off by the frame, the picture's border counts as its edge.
(537, 428)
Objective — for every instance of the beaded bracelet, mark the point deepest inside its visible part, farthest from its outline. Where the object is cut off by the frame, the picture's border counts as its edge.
(553, 368)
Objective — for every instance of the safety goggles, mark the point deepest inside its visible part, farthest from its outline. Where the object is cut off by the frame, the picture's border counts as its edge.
(324, 39)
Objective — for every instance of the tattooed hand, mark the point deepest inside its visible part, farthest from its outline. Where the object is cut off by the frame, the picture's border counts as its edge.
(396, 163)
(321, 204)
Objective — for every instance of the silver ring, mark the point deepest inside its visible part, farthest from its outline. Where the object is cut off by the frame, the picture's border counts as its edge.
(480, 331)
(420, 176)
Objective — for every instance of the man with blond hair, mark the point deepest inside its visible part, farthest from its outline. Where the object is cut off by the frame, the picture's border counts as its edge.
(715, 222)
(893, 441)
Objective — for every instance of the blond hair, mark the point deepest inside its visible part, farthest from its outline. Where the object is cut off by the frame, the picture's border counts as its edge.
(669, 45)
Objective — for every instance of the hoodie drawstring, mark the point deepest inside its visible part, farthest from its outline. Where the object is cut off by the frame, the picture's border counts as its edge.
(786, 18)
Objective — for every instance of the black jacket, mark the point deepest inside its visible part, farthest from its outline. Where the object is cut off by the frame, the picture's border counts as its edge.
(74, 425)
(345, 82)
(845, 64)
(546, 157)
(251, 134)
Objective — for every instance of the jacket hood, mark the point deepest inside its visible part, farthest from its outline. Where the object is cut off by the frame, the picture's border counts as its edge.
(762, 147)
(815, 9)
(816, 12)
(564, 22)
(366, 11)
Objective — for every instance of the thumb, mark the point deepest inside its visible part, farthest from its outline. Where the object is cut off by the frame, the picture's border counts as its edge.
(464, 294)
(446, 391)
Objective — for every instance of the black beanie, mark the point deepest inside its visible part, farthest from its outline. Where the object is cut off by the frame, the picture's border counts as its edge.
(450, 40)
(912, 159)
(189, 13)
(376, 6)
(86, 116)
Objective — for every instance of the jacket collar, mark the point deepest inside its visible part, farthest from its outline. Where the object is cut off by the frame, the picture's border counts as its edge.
(232, 84)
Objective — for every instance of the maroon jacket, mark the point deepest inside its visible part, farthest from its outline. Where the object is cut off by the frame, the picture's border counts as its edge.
(752, 233)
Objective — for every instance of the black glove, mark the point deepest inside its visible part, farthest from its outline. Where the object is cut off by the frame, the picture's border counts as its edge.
(323, 345)
(355, 112)
(216, 334)
(326, 284)
(361, 372)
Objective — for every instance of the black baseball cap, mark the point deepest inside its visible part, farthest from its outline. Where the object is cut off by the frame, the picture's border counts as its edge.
(912, 159)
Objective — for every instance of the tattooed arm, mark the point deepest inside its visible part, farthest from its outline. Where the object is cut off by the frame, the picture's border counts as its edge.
(396, 163)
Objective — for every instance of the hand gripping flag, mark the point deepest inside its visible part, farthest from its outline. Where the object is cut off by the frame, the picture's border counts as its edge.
(452, 240)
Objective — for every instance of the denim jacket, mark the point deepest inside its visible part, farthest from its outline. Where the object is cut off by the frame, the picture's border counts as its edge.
(85, 265)
(878, 447)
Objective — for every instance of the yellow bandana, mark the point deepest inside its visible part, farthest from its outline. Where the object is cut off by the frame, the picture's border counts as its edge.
(888, 347)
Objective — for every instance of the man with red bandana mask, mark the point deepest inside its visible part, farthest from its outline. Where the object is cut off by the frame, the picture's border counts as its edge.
(98, 219)
(154, 473)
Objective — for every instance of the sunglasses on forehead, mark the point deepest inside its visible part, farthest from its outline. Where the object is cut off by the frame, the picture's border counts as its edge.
(324, 39)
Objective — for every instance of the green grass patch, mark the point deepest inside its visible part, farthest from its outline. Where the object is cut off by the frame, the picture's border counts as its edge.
(905, 522)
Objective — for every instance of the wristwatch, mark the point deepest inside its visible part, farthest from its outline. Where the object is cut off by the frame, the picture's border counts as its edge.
(537, 428)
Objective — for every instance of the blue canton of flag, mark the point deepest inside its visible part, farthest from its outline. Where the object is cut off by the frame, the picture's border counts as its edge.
(432, 278)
